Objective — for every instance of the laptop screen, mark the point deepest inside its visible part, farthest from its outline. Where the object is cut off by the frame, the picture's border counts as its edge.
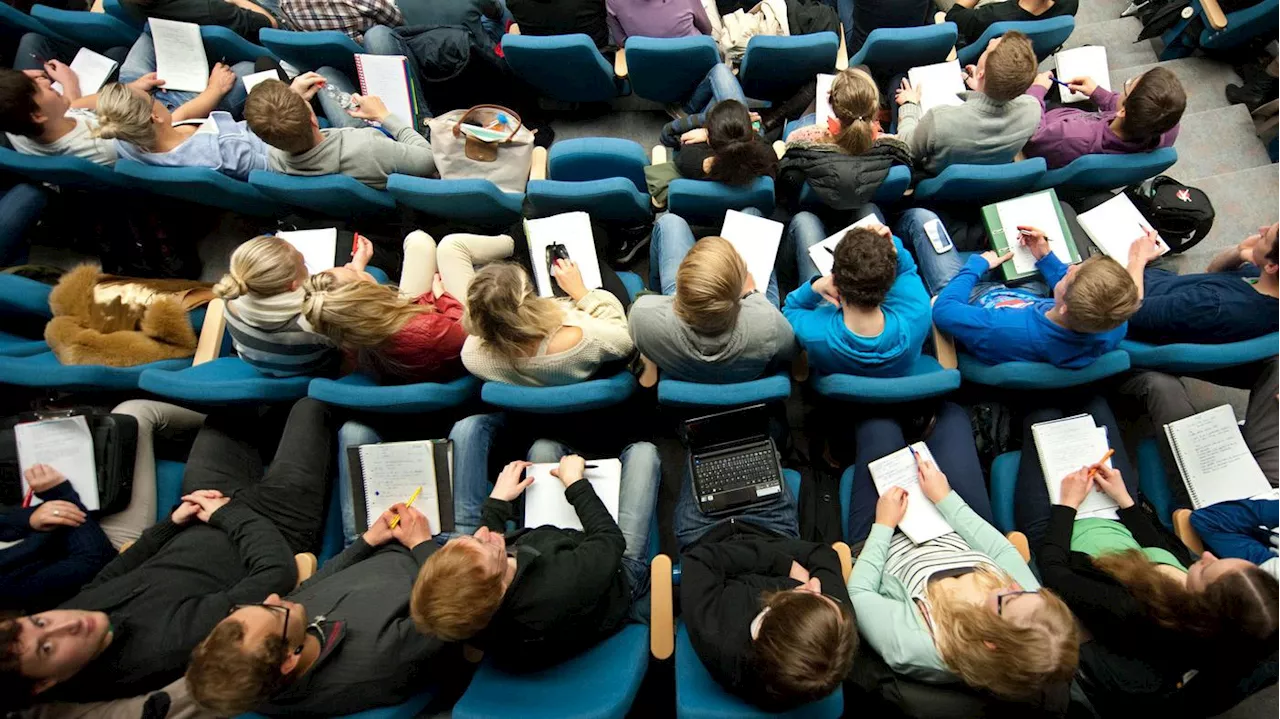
(736, 425)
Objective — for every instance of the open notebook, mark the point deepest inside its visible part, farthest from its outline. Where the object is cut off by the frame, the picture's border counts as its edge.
(390, 472)
(1040, 210)
(1066, 445)
(1215, 463)
(1089, 61)
(823, 254)
(91, 69)
(757, 240)
(922, 521)
(318, 247)
(387, 77)
(66, 444)
(1115, 225)
(545, 503)
(567, 234)
(940, 84)
(180, 58)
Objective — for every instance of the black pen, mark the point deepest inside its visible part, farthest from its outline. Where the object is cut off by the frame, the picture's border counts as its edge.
(828, 249)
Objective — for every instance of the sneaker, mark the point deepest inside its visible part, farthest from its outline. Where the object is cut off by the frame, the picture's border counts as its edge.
(626, 251)
(676, 111)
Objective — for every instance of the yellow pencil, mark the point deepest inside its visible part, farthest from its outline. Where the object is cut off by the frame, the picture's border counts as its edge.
(396, 519)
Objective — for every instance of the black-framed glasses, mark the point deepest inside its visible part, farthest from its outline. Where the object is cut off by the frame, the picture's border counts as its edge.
(284, 633)
(1001, 599)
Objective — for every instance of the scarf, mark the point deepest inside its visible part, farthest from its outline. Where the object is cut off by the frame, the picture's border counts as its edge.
(271, 311)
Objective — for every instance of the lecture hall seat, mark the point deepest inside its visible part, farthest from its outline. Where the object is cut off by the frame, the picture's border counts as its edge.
(667, 69)
(980, 184)
(201, 186)
(1108, 172)
(314, 49)
(1046, 37)
(1188, 358)
(774, 67)
(601, 175)
(567, 68)
(94, 30)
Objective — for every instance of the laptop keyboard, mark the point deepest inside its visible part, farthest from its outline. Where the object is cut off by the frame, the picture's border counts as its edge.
(735, 471)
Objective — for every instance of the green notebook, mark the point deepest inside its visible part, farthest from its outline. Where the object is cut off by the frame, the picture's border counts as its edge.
(1038, 209)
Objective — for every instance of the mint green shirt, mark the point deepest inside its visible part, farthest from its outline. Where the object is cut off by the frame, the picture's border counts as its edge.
(1096, 536)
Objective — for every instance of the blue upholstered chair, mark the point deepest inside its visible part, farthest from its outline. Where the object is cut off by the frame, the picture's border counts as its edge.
(71, 172)
(94, 30)
(1239, 27)
(222, 381)
(1004, 485)
(44, 371)
(202, 186)
(361, 392)
(1191, 358)
(774, 67)
(332, 195)
(891, 190)
(1040, 375)
(471, 201)
(981, 184)
(1107, 172)
(222, 42)
(703, 202)
(889, 50)
(313, 49)
(668, 69)
(407, 709)
(676, 393)
(1046, 36)
(567, 68)
(118, 11)
(1153, 480)
(14, 22)
(23, 303)
(927, 379)
(603, 175)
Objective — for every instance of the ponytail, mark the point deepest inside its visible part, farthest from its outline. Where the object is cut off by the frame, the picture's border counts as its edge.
(125, 115)
(740, 154)
(265, 266)
(855, 102)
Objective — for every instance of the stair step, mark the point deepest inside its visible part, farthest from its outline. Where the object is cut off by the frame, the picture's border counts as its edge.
(1217, 142)
(1203, 79)
(1092, 12)
(1242, 201)
(1118, 37)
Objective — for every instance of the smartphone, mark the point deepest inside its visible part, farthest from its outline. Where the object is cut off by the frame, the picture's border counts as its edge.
(938, 236)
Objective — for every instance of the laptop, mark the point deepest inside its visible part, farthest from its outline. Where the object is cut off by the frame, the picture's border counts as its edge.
(732, 460)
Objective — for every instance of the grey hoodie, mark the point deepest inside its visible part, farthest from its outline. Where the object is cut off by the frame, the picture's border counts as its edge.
(364, 153)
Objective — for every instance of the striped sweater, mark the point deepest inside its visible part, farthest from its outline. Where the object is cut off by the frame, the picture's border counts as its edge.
(286, 349)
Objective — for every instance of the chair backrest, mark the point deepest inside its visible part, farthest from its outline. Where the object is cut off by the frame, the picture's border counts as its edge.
(565, 399)
(1242, 25)
(359, 391)
(1046, 36)
(611, 200)
(1041, 375)
(926, 379)
(668, 69)
(223, 42)
(1107, 172)
(676, 393)
(893, 49)
(568, 68)
(24, 296)
(598, 158)
(17, 22)
(703, 201)
(94, 30)
(333, 195)
(313, 49)
(202, 186)
(115, 9)
(475, 201)
(981, 183)
(64, 171)
(774, 67)
(1186, 358)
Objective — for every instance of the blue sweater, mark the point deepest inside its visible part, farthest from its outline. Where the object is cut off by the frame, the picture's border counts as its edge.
(45, 568)
(1010, 325)
(221, 144)
(1204, 308)
(1240, 528)
(834, 348)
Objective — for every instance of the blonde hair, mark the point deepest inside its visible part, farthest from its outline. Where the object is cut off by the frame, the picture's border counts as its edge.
(1011, 660)
(264, 266)
(358, 315)
(1101, 296)
(504, 310)
(855, 100)
(709, 286)
(125, 115)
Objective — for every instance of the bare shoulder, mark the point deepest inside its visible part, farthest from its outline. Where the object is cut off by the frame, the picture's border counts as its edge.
(565, 339)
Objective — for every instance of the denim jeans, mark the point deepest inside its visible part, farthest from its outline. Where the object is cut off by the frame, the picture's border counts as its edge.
(20, 207)
(34, 49)
(333, 111)
(937, 269)
(806, 230)
(142, 60)
(671, 241)
(382, 40)
(352, 434)
(719, 84)
(778, 515)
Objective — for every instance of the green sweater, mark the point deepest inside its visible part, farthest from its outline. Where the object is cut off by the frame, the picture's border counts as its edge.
(887, 616)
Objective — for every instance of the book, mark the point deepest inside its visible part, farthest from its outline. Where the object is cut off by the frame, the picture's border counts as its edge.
(822, 102)
(1066, 445)
(922, 521)
(1038, 209)
(66, 444)
(180, 58)
(1213, 459)
(257, 78)
(568, 233)
(545, 503)
(823, 253)
(940, 84)
(1089, 61)
(387, 77)
(91, 69)
(1115, 225)
(390, 472)
(318, 247)
(757, 240)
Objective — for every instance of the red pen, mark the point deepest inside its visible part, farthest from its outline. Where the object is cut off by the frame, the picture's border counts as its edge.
(26, 501)
(355, 243)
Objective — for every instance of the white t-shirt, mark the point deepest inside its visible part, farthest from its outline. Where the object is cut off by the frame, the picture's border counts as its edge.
(80, 142)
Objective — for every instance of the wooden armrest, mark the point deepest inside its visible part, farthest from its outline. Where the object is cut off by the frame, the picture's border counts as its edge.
(1187, 533)
(943, 346)
(800, 366)
(513, 29)
(306, 565)
(662, 625)
(125, 547)
(846, 559)
(659, 155)
(97, 7)
(1213, 14)
(1019, 542)
(215, 323)
(779, 148)
(538, 169)
(842, 55)
(953, 54)
(939, 18)
(649, 376)
(620, 63)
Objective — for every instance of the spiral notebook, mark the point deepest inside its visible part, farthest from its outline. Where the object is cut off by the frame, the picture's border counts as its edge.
(387, 77)
(389, 472)
(1215, 463)
(1066, 445)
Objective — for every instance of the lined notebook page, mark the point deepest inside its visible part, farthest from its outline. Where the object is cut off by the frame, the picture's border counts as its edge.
(91, 69)
(545, 503)
(922, 521)
(318, 247)
(1065, 446)
(391, 473)
(1215, 463)
(180, 58)
(823, 99)
(386, 76)
(1036, 211)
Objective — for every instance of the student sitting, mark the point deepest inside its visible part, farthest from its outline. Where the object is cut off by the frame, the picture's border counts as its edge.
(973, 17)
(563, 17)
(132, 629)
(540, 595)
(992, 124)
(286, 122)
(1153, 615)
(656, 18)
(964, 605)
(350, 18)
(341, 643)
(51, 549)
(1144, 118)
(264, 294)
(720, 145)
(870, 316)
(520, 338)
(1241, 529)
(226, 94)
(710, 324)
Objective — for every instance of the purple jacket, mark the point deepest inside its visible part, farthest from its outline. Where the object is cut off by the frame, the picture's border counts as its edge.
(1066, 133)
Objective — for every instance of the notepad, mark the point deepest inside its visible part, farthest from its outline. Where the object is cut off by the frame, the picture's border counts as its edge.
(387, 77)
(180, 58)
(390, 472)
(823, 253)
(572, 231)
(757, 240)
(66, 444)
(922, 521)
(318, 247)
(823, 99)
(1040, 210)
(1215, 463)
(940, 84)
(1065, 446)
(545, 503)
(1115, 225)
(257, 78)
(1089, 61)
(91, 69)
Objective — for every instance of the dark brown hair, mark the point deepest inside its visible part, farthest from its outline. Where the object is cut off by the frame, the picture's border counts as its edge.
(280, 117)
(805, 646)
(18, 104)
(1153, 106)
(228, 678)
(454, 596)
(15, 687)
(866, 264)
(741, 155)
(1011, 67)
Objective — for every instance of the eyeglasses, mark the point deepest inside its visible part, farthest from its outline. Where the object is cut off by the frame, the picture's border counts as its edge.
(1128, 84)
(284, 633)
(1001, 599)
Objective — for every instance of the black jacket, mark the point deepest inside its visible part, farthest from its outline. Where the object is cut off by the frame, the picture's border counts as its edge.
(562, 17)
(841, 181)
(722, 579)
(45, 568)
(871, 14)
(569, 591)
(166, 592)
(245, 23)
(972, 22)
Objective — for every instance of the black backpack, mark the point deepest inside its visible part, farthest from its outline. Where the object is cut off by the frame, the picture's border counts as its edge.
(1182, 215)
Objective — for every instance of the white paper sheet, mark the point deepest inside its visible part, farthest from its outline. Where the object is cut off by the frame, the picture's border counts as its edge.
(823, 99)
(180, 58)
(1089, 61)
(387, 77)
(1036, 211)
(1065, 446)
(91, 69)
(393, 471)
(571, 229)
(757, 240)
(257, 78)
(66, 444)
(939, 84)
(922, 521)
(1115, 225)
(1215, 463)
(318, 247)
(545, 503)
(823, 253)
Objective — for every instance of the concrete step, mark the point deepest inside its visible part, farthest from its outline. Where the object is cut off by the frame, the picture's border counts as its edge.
(1217, 142)
(1203, 79)
(1118, 37)
(1096, 11)
(1242, 201)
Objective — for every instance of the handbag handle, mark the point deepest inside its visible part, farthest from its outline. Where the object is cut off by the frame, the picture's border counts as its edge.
(457, 127)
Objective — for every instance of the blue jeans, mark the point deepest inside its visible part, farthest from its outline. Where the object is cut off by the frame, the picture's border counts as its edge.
(34, 47)
(20, 207)
(472, 438)
(334, 112)
(671, 241)
(382, 40)
(952, 447)
(937, 269)
(142, 60)
(778, 515)
(351, 434)
(719, 84)
(806, 230)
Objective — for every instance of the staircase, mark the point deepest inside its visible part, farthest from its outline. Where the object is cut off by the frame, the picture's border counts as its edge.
(1218, 150)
